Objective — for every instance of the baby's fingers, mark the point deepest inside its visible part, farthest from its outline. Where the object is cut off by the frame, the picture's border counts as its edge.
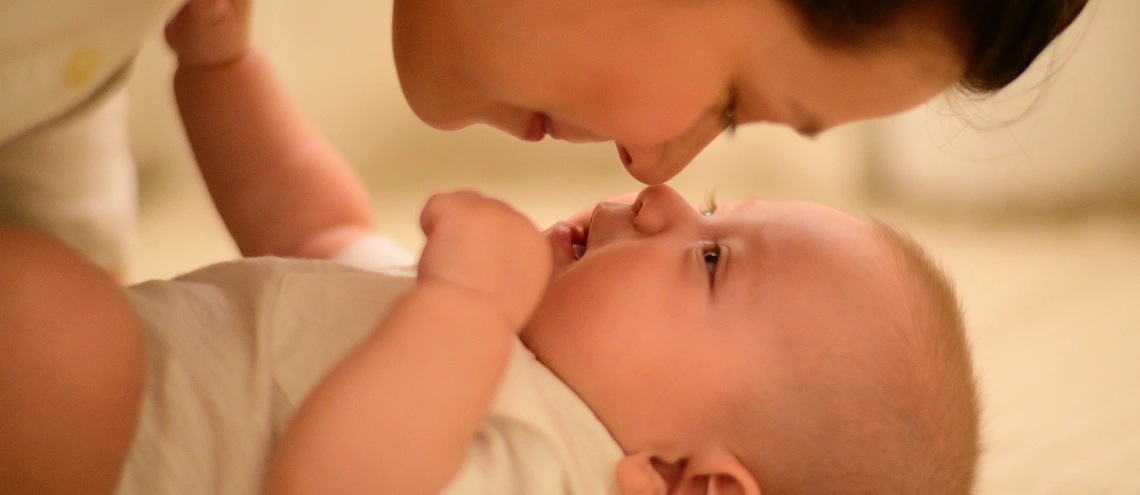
(210, 32)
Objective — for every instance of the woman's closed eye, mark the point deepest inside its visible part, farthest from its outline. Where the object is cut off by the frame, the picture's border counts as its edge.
(729, 118)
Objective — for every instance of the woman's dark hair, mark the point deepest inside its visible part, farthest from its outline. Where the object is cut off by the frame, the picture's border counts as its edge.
(998, 38)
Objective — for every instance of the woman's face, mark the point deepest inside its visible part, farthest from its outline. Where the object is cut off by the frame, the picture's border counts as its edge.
(659, 78)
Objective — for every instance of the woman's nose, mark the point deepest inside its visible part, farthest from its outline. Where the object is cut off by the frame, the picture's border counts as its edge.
(655, 164)
(659, 208)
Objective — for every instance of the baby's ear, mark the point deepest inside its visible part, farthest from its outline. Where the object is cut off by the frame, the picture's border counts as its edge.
(710, 472)
(636, 475)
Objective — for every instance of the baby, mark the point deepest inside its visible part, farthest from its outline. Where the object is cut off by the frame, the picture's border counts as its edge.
(759, 348)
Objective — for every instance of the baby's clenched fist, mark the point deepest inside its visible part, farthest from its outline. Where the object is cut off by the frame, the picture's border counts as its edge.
(482, 246)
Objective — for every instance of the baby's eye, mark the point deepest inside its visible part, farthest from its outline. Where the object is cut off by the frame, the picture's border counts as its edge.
(711, 256)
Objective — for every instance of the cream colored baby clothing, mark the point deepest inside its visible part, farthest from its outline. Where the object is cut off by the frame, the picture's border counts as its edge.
(65, 161)
(75, 179)
(234, 348)
(56, 55)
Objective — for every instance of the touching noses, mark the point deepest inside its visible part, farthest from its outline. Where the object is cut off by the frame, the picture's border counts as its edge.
(660, 208)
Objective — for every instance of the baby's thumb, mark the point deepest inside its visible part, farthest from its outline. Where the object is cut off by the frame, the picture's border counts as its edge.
(432, 212)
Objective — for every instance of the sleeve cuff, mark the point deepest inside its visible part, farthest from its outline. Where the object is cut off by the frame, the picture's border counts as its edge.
(374, 252)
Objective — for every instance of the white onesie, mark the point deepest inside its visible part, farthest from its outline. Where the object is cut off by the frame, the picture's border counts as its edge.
(234, 348)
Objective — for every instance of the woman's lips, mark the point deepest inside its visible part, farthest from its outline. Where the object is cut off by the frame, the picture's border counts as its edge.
(538, 128)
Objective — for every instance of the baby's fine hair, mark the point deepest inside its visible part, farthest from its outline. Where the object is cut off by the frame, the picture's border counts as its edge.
(901, 421)
(997, 39)
(937, 371)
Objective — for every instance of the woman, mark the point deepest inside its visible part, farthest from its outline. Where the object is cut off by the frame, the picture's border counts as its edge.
(662, 78)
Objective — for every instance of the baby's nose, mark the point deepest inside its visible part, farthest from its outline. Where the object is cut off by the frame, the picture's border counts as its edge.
(659, 208)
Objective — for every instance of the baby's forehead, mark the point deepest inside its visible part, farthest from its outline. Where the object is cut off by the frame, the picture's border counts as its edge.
(819, 230)
(818, 269)
(806, 209)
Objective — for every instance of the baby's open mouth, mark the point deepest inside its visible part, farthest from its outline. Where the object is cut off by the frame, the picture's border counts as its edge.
(568, 241)
(578, 241)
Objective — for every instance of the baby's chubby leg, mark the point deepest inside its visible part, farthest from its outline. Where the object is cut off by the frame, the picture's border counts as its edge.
(72, 368)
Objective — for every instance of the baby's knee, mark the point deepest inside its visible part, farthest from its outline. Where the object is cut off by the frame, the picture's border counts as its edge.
(72, 367)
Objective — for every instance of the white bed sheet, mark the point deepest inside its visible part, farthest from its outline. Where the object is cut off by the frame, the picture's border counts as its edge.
(1054, 315)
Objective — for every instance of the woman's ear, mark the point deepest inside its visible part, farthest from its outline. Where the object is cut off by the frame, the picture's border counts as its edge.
(709, 472)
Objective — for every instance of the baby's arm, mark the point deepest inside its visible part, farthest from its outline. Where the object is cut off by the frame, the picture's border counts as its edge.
(279, 186)
(397, 414)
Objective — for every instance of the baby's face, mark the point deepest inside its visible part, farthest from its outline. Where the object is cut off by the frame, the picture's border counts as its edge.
(670, 315)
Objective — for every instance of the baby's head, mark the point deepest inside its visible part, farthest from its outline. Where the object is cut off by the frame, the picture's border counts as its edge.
(774, 347)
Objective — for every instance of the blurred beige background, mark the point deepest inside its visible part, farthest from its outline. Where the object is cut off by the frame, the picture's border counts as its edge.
(1038, 232)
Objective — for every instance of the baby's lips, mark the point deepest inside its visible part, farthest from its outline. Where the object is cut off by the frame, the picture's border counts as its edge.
(563, 236)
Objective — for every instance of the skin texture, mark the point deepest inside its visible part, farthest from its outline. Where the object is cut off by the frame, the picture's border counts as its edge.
(655, 77)
(658, 339)
(661, 342)
(72, 365)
